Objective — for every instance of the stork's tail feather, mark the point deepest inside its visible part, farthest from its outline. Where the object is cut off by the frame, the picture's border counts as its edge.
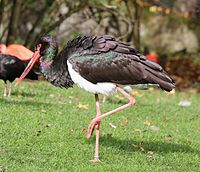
(156, 75)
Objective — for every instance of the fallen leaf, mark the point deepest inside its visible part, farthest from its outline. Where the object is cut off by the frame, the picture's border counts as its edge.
(43, 111)
(150, 152)
(136, 93)
(125, 123)
(113, 126)
(119, 97)
(52, 95)
(72, 129)
(185, 103)
(150, 158)
(84, 130)
(146, 122)
(154, 128)
(82, 106)
(168, 137)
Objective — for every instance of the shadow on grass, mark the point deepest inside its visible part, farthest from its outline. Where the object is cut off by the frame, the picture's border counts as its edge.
(23, 94)
(118, 102)
(156, 146)
(27, 102)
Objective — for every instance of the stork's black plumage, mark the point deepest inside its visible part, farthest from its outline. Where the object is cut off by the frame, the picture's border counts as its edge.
(100, 59)
(11, 68)
(103, 59)
(97, 64)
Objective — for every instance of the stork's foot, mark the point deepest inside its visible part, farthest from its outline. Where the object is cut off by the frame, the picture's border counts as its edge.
(95, 160)
(91, 127)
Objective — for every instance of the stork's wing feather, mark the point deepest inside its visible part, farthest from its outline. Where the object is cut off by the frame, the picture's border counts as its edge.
(103, 59)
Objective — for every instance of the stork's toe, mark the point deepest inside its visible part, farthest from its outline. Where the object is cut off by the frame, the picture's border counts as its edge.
(91, 127)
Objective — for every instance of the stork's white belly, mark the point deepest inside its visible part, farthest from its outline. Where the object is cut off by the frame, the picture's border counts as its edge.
(102, 87)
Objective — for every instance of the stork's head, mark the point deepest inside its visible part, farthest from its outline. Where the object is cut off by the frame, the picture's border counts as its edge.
(46, 44)
(46, 49)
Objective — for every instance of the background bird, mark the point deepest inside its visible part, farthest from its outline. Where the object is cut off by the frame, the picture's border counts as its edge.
(16, 50)
(11, 68)
(97, 64)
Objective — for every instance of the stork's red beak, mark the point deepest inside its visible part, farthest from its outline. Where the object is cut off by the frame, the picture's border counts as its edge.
(30, 65)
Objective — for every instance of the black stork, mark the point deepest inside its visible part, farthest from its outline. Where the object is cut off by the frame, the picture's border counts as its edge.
(11, 68)
(97, 64)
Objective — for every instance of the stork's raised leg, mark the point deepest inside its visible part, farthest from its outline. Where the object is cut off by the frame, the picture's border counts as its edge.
(5, 89)
(98, 113)
(97, 120)
(10, 89)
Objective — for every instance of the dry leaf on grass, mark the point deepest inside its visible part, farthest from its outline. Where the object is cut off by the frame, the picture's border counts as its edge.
(74, 99)
(125, 123)
(82, 106)
(72, 129)
(150, 158)
(119, 97)
(151, 126)
(146, 122)
(168, 137)
(154, 128)
(43, 111)
(51, 95)
(112, 125)
(150, 152)
(136, 93)
(185, 103)
(84, 130)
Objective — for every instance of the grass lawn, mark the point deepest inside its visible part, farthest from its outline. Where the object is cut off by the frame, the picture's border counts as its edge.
(43, 128)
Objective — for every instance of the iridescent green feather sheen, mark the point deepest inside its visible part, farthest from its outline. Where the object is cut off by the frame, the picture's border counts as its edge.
(88, 56)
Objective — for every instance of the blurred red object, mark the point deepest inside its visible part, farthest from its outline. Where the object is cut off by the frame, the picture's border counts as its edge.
(152, 57)
(16, 50)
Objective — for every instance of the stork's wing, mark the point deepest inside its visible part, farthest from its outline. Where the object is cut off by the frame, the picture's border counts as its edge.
(103, 59)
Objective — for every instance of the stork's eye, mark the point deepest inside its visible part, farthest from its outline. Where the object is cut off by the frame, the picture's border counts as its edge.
(37, 47)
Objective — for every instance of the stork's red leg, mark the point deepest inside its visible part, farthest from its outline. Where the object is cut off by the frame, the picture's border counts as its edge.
(5, 89)
(98, 113)
(96, 120)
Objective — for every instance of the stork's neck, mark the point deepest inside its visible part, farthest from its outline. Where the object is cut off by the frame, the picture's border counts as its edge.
(46, 60)
(55, 69)
(45, 66)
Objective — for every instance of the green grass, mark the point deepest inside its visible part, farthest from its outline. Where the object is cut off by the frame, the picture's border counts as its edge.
(42, 129)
